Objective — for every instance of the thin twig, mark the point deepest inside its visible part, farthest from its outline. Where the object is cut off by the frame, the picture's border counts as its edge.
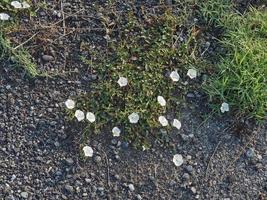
(63, 18)
(23, 43)
(108, 172)
(208, 166)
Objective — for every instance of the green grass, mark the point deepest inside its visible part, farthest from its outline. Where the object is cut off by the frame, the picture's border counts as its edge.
(214, 11)
(147, 51)
(19, 57)
(242, 71)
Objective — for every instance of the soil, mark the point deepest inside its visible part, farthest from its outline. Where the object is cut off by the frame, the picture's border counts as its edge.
(39, 146)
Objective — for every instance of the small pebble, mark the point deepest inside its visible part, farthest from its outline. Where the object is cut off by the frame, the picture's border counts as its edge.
(259, 157)
(119, 144)
(186, 176)
(189, 168)
(131, 187)
(117, 157)
(69, 188)
(69, 161)
(194, 190)
(124, 145)
(24, 195)
(250, 153)
(190, 95)
(47, 58)
(117, 177)
(97, 159)
(88, 180)
(114, 141)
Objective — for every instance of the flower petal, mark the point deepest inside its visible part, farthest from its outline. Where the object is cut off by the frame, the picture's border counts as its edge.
(163, 121)
(16, 4)
(88, 151)
(161, 100)
(25, 4)
(178, 160)
(225, 107)
(116, 131)
(122, 81)
(4, 16)
(79, 115)
(90, 117)
(177, 124)
(192, 73)
(70, 104)
(175, 76)
(133, 118)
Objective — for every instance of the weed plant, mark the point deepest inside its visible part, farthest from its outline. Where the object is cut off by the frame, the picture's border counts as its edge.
(242, 71)
(146, 52)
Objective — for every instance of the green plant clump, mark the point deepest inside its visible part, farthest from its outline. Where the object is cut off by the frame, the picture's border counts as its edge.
(19, 57)
(242, 72)
(147, 52)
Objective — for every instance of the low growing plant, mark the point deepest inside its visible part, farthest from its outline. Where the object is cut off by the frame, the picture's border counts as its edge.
(18, 57)
(139, 90)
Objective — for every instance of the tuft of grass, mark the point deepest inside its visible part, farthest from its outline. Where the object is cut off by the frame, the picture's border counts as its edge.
(215, 11)
(145, 51)
(241, 73)
(18, 57)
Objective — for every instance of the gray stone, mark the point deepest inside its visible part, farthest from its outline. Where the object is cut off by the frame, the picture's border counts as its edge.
(114, 141)
(116, 176)
(69, 188)
(189, 168)
(69, 161)
(117, 157)
(250, 153)
(190, 95)
(24, 195)
(186, 176)
(88, 180)
(47, 58)
(194, 190)
(97, 159)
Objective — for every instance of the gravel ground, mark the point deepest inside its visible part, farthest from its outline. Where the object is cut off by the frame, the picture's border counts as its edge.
(39, 147)
(40, 158)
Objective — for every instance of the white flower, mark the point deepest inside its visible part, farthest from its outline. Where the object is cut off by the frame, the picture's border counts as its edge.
(192, 73)
(116, 132)
(176, 123)
(90, 117)
(175, 76)
(163, 121)
(161, 100)
(79, 115)
(25, 4)
(224, 107)
(70, 104)
(178, 160)
(88, 151)
(4, 16)
(123, 81)
(133, 118)
(16, 4)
